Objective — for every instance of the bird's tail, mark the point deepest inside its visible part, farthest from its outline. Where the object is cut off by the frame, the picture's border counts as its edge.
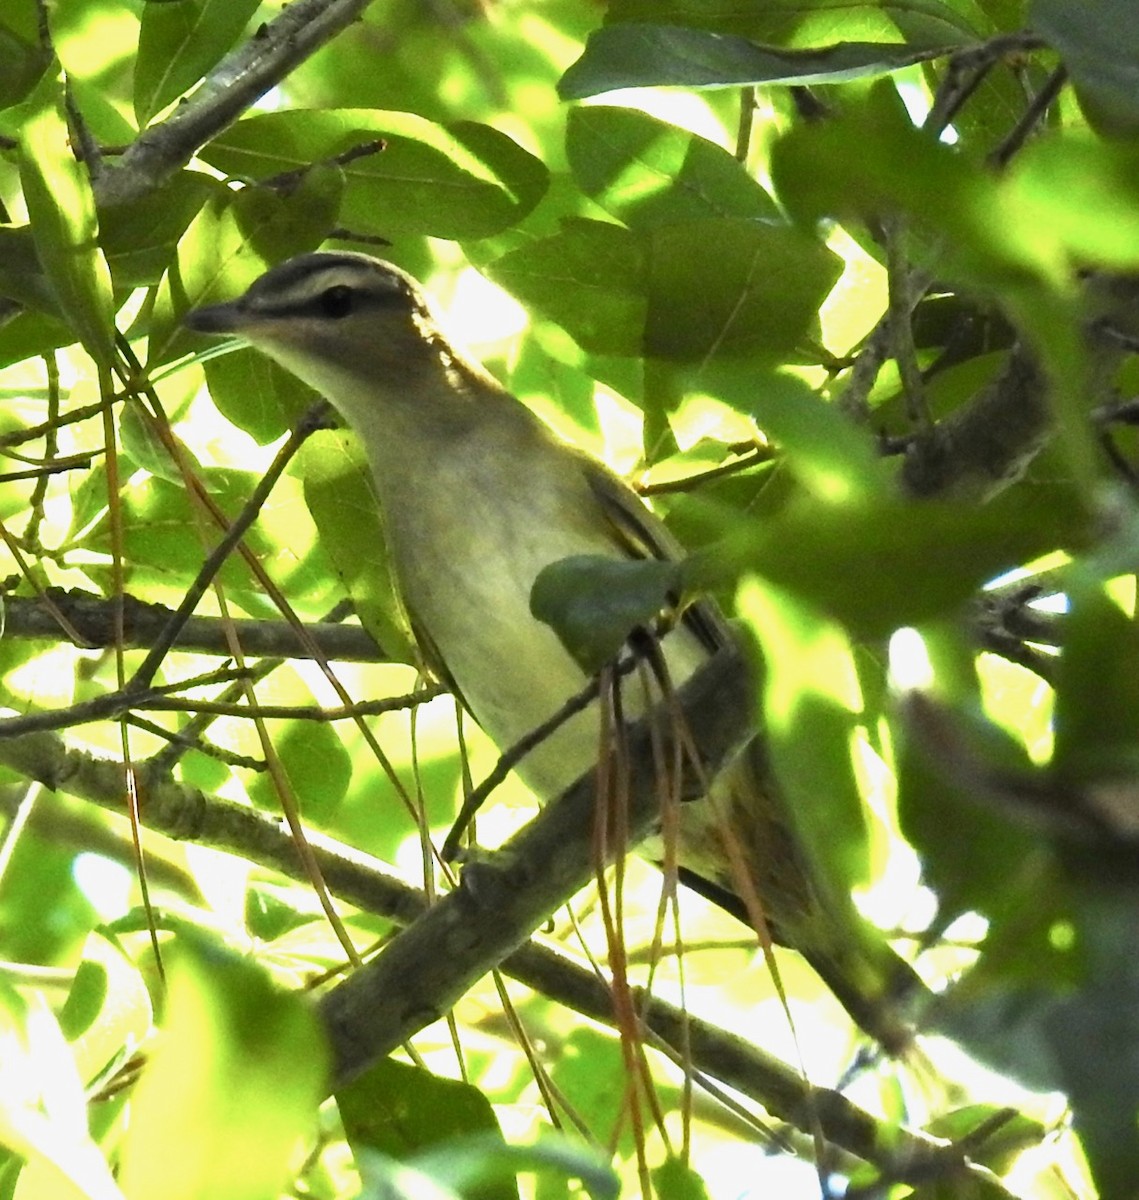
(738, 850)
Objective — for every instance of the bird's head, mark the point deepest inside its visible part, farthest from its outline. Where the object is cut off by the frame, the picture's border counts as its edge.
(342, 322)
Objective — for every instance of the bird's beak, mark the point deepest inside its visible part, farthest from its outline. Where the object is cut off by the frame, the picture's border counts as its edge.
(216, 318)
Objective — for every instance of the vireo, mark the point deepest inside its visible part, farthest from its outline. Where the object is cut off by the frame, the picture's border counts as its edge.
(477, 496)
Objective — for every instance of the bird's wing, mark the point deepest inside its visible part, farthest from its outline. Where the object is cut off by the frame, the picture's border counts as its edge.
(432, 660)
(644, 535)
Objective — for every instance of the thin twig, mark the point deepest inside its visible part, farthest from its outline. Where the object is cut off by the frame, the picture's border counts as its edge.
(758, 454)
(746, 121)
(216, 558)
(1029, 119)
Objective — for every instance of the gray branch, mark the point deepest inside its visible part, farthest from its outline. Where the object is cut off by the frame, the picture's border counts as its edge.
(239, 80)
(486, 923)
(505, 896)
(96, 620)
(988, 443)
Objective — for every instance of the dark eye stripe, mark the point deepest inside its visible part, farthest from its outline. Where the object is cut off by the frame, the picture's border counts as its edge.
(337, 299)
(327, 285)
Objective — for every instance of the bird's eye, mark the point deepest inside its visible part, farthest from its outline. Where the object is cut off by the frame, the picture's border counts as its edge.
(336, 301)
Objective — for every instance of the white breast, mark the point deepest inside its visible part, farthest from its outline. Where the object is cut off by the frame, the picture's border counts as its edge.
(466, 553)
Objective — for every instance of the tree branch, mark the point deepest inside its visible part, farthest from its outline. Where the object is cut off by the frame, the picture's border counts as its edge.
(487, 921)
(503, 897)
(988, 443)
(93, 618)
(239, 80)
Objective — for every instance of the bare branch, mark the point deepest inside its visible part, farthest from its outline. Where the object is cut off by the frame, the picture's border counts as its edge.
(239, 80)
(988, 443)
(93, 617)
(508, 894)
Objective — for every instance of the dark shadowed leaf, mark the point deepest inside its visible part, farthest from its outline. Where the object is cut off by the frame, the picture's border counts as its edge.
(24, 62)
(61, 208)
(594, 603)
(1099, 43)
(1082, 1040)
(589, 278)
(401, 1110)
(22, 275)
(729, 287)
(462, 181)
(949, 762)
(623, 56)
(139, 238)
(1097, 689)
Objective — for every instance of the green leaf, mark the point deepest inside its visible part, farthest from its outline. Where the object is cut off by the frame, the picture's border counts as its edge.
(678, 1181)
(1084, 194)
(1081, 1039)
(341, 497)
(646, 172)
(624, 56)
(730, 287)
(881, 565)
(1009, 1133)
(46, 914)
(593, 603)
(943, 755)
(1095, 1036)
(318, 766)
(472, 1165)
(108, 1010)
(273, 910)
(61, 210)
(22, 275)
(162, 539)
(791, 22)
(103, 115)
(256, 394)
(24, 61)
(399, 1110)
(1097, 689)
(238, 1075)
(985, 232)
(1099, 42)
(589, 278)
(524, 178)
(811, 708)
(392, 1180)
(871, 161)
(833, 459)
(140, 238)
(459, 181)
(146, 448)
(179, 43)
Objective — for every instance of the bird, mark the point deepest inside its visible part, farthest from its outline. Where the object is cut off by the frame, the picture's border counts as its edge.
(477, 495)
